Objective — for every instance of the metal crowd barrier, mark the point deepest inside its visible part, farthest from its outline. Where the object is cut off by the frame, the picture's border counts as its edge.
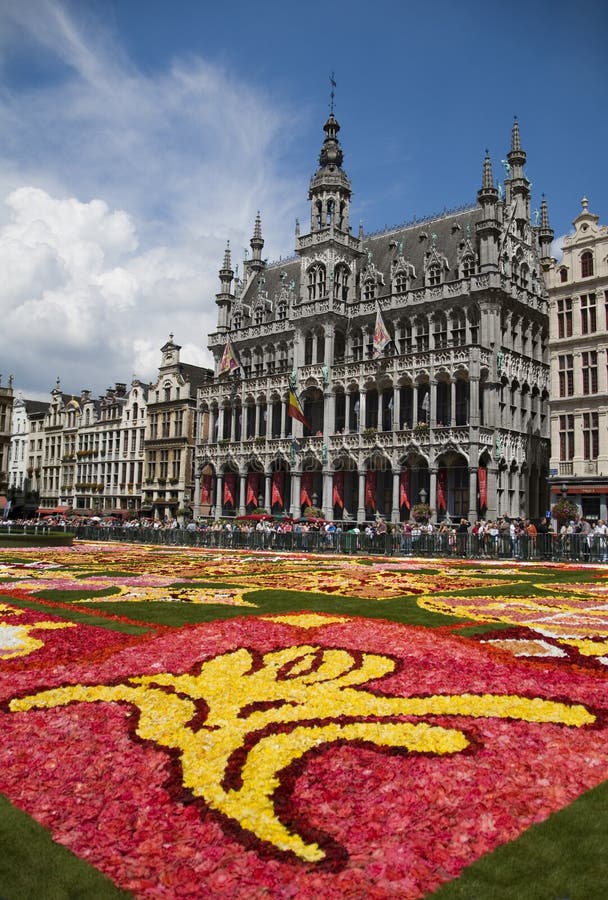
(543, 548)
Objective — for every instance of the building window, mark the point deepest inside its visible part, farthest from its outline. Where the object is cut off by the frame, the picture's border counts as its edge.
(468, 267)
(422, 335)
(564, 318)
(590, 372)
(566, 375)
(152, 465)
(566, 438)
(164, 463)
(401, 283)
(175, 465)
(440, 332)
(433, 275)
(588, 314)
(236, 321)
(154, 426)
(166, 424)
(587, 264)
(563, 275)
(369, 290)
(282, 312)
(591, 436)
(459, 329)
(179, 423)
(341, 283)
(316, 282)
(258, 315)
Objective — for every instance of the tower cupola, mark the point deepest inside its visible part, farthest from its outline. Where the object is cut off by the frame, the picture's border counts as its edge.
(330, 189)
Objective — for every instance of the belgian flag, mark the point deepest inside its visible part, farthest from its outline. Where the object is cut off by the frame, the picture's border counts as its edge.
(295, 410)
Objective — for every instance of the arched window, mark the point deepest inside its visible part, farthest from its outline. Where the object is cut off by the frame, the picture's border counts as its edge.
(563, 275)
(369, 289)
(459, 328)
(341, 274)
(524, 276)
(316, 282)
(440, 331)
(236, 321)
(330, 211)
(422, 334)
(258, 315)
(282, 312)
(433, 275)
(587, 264)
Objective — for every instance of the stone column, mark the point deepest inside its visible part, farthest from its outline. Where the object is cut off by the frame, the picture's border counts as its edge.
(472, 514)
(396, 509)
(453, 403)
(329, 345)
(296, 478)
(242, 494)
(196, 506)
(329, 414)
(219, 495)
(284, 405)
(414, 405)
(347, 399)
(233, 422)
(396, 408)
(433, 490)
(362, 406)
(328, 509)
(492, 510)
(257, 418)
(211, 437)
(474, 401)
(267, 495)
(220, 423)
(361, 506)
(433, 404)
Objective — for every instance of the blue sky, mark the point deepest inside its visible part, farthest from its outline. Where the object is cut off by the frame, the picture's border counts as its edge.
(139, 136)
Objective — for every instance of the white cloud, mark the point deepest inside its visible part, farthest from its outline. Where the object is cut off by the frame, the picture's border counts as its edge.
(120, 192)
(557, 247)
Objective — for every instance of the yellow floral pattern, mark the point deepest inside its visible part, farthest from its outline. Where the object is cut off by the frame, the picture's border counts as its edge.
(305, 686)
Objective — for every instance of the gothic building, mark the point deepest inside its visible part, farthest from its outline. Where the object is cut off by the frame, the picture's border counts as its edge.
(453, 412)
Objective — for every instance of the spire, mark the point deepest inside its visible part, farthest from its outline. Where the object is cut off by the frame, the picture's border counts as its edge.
(330, 189)
(488, 178)
(256, 243)
(515, 138)
(226, 272)
(487, 195)
(488, 228)
(544, 214)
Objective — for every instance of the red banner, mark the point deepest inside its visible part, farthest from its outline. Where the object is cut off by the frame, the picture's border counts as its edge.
(442, 489)
(404, 489)
(370, 489)
(278, 486)
(229, 488)
(338, 492)
(253, 486)
(306, 489)
(482, 480)
(206, 484)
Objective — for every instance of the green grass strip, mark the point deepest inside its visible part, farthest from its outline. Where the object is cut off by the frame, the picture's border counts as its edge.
(275, 602)
(562, 858)
(80, 618)
(32, 865)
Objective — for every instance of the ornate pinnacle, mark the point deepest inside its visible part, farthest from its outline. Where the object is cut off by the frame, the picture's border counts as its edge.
(488, 178)
(515, 138)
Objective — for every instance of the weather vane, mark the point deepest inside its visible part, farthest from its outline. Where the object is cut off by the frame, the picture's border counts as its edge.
(332, 95)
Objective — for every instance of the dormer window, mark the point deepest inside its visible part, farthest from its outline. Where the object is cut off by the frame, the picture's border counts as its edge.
(401, 282)
(586, 264)
(434, 275)
(282, 312)
(369, 290)
(258, 315)
(237, 320)
(468, 267)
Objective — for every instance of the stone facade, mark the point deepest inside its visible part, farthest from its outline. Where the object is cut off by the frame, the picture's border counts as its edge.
(578, 292)
(453, 411)
(6, 409)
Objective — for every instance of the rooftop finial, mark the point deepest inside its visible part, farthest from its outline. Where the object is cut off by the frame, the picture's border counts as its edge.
(332, 81)
(585, 204)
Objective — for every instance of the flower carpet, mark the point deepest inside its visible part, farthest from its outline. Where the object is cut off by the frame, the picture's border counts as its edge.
(192, 723)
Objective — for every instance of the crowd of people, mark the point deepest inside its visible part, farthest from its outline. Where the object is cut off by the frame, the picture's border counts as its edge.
(514, 538)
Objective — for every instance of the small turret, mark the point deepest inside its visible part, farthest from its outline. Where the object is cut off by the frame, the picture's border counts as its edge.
(330, 190)
(225, 297)
(545, 234)
(256, 243)
(488, 229)
(517, 185)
